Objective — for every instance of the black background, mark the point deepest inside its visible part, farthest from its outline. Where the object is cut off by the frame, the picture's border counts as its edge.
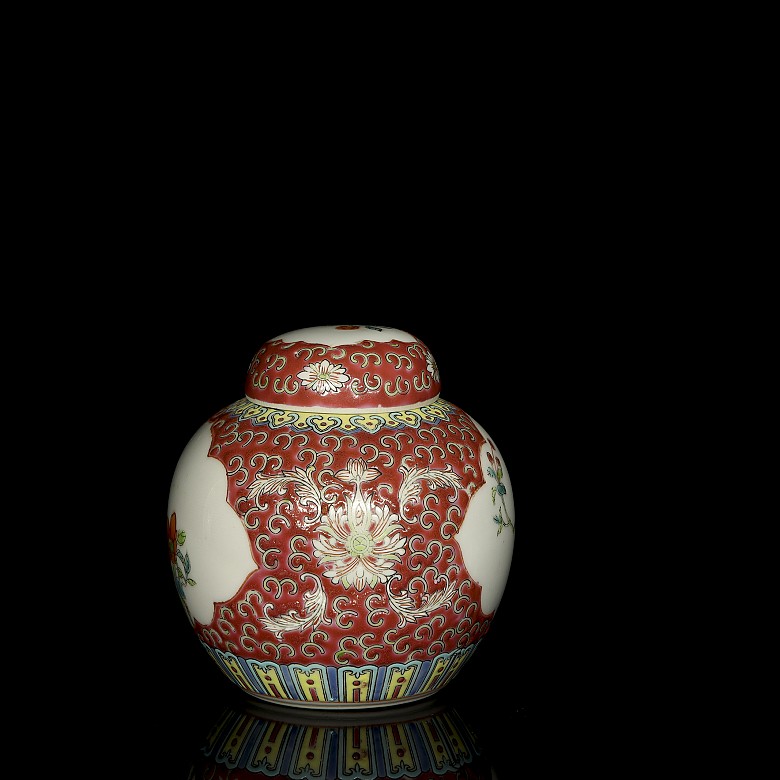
(181, 355)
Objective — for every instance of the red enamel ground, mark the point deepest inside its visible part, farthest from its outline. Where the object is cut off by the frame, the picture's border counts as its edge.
(352, 626)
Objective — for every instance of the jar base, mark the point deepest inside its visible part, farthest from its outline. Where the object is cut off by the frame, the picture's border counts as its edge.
(343, 706)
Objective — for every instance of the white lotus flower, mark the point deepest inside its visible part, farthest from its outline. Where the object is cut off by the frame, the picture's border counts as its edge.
(324, 377)
(359, 545)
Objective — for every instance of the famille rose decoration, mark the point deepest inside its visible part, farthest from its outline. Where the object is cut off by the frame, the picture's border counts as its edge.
(341, 536)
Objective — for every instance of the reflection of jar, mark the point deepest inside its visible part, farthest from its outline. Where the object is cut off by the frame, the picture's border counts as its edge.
(412, 740)
(341, 535)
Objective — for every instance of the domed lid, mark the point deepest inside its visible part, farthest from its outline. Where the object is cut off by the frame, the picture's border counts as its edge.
(343, 367)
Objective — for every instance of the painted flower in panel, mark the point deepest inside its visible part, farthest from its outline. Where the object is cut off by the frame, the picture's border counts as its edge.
(359, 544)
(180, 561)
(173, 543)
(324, 377)
(495, 471)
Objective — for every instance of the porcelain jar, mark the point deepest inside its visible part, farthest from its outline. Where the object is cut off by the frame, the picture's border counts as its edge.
(341, 536)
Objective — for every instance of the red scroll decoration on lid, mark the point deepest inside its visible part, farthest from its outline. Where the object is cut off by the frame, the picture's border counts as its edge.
(366, 374)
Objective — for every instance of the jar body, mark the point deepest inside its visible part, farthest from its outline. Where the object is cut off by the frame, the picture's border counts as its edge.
(340, 558)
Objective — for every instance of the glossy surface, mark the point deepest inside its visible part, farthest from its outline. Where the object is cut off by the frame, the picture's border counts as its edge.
(341, 558)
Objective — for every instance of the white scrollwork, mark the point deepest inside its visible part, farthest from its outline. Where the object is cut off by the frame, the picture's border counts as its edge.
(359, 541)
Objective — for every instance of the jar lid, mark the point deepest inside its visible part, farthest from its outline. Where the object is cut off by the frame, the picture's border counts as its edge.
(343, 367)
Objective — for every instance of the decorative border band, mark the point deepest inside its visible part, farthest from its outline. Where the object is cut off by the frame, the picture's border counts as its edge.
(318, 684)
(323, 422)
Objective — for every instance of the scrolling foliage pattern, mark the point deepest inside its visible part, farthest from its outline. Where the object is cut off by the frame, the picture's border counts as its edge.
(353, 532)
